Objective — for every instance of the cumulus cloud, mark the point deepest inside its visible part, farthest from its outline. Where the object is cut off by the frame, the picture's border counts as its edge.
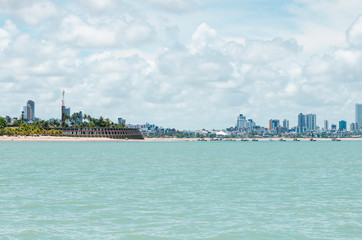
(76, 30)
(354, 33)
(5, 39)
(174, 5)
(118, 66)
(99, 6)
(31, 12)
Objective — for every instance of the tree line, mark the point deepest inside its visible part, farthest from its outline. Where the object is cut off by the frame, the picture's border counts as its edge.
(43, 127)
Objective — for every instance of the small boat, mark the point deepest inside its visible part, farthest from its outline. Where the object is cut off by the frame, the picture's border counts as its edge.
(336, 140)
(296, 140)
(282, 140)
(312, 140)
(254, 140)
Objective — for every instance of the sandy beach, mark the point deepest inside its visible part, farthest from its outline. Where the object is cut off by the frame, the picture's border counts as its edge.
(76, 139)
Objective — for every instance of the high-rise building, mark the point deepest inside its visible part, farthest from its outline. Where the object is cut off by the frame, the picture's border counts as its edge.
(359, 115)
(273, 124)
(311, 122)
(325, 125)
(241, 122)
(333, 127)
(286, 124)
(342, 126)
(301, 123)
(121, 120)
(250, 124)
(353, 127)
(79, 118)
(67, 111)
(30, 110)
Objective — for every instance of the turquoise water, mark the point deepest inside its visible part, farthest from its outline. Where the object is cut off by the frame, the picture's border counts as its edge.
(182, 190)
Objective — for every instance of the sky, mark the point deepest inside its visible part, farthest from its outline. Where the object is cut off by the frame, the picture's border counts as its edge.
(187, 64)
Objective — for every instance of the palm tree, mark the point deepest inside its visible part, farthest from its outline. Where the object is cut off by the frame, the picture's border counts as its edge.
(3, 123)
(8, 120)
(108, 122)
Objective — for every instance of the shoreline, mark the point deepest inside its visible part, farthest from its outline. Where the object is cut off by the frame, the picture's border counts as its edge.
(84, 139)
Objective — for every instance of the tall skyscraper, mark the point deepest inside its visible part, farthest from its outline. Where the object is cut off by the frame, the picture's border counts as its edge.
(30, 110)
(311, 122)
(286, 124)
(273, 124)
(241, 122)
(325, 125)
(359, 115)
(342, 125)
(301, 123)
(353, 127)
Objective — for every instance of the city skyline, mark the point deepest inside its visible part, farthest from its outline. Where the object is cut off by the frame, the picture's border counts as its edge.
(188, 64)
(305, 122)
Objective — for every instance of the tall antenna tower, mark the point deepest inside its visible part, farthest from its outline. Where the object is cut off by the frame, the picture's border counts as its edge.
(63, 99)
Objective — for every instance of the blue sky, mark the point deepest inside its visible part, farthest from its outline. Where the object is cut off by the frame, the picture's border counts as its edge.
(182, 63)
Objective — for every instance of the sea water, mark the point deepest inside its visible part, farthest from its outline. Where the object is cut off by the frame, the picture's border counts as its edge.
(181, 190)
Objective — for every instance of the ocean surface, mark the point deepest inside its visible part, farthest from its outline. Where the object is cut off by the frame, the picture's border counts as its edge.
(181, 190)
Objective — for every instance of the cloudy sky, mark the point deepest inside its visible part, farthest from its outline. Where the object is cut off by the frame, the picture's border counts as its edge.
(188, 64)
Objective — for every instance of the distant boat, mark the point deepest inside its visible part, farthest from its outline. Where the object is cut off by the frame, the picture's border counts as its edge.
(312, 140)
(282, 140)
(296, 140)
(336, 140)
(254, 140)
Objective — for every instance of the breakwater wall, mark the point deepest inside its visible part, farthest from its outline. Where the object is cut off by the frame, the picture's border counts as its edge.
(98, 132)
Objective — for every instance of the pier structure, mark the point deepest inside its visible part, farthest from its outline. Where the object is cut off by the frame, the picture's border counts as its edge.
(101, 132)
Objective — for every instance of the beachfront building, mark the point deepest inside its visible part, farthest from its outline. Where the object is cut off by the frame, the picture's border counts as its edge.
(286, 124)
(273, 124)
(301, 123)
(30, 111)
(353, 127)
(359, 115)
(342, 126)
(311, 122)
(333, 128)
(241, 122)
(325, 125)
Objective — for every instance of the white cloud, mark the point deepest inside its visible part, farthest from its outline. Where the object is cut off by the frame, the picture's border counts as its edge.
(116, 62)
(5, 39)
(174, 5)
(74, 30)
(100, 5)
(31, 12)
(354, 33)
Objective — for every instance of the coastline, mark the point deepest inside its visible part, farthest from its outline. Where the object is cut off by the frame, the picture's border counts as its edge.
(84, 139)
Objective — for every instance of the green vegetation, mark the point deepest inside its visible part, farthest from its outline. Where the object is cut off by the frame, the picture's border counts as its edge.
(26, 129)
(76, 121)
(3, 123)
(42, 127)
